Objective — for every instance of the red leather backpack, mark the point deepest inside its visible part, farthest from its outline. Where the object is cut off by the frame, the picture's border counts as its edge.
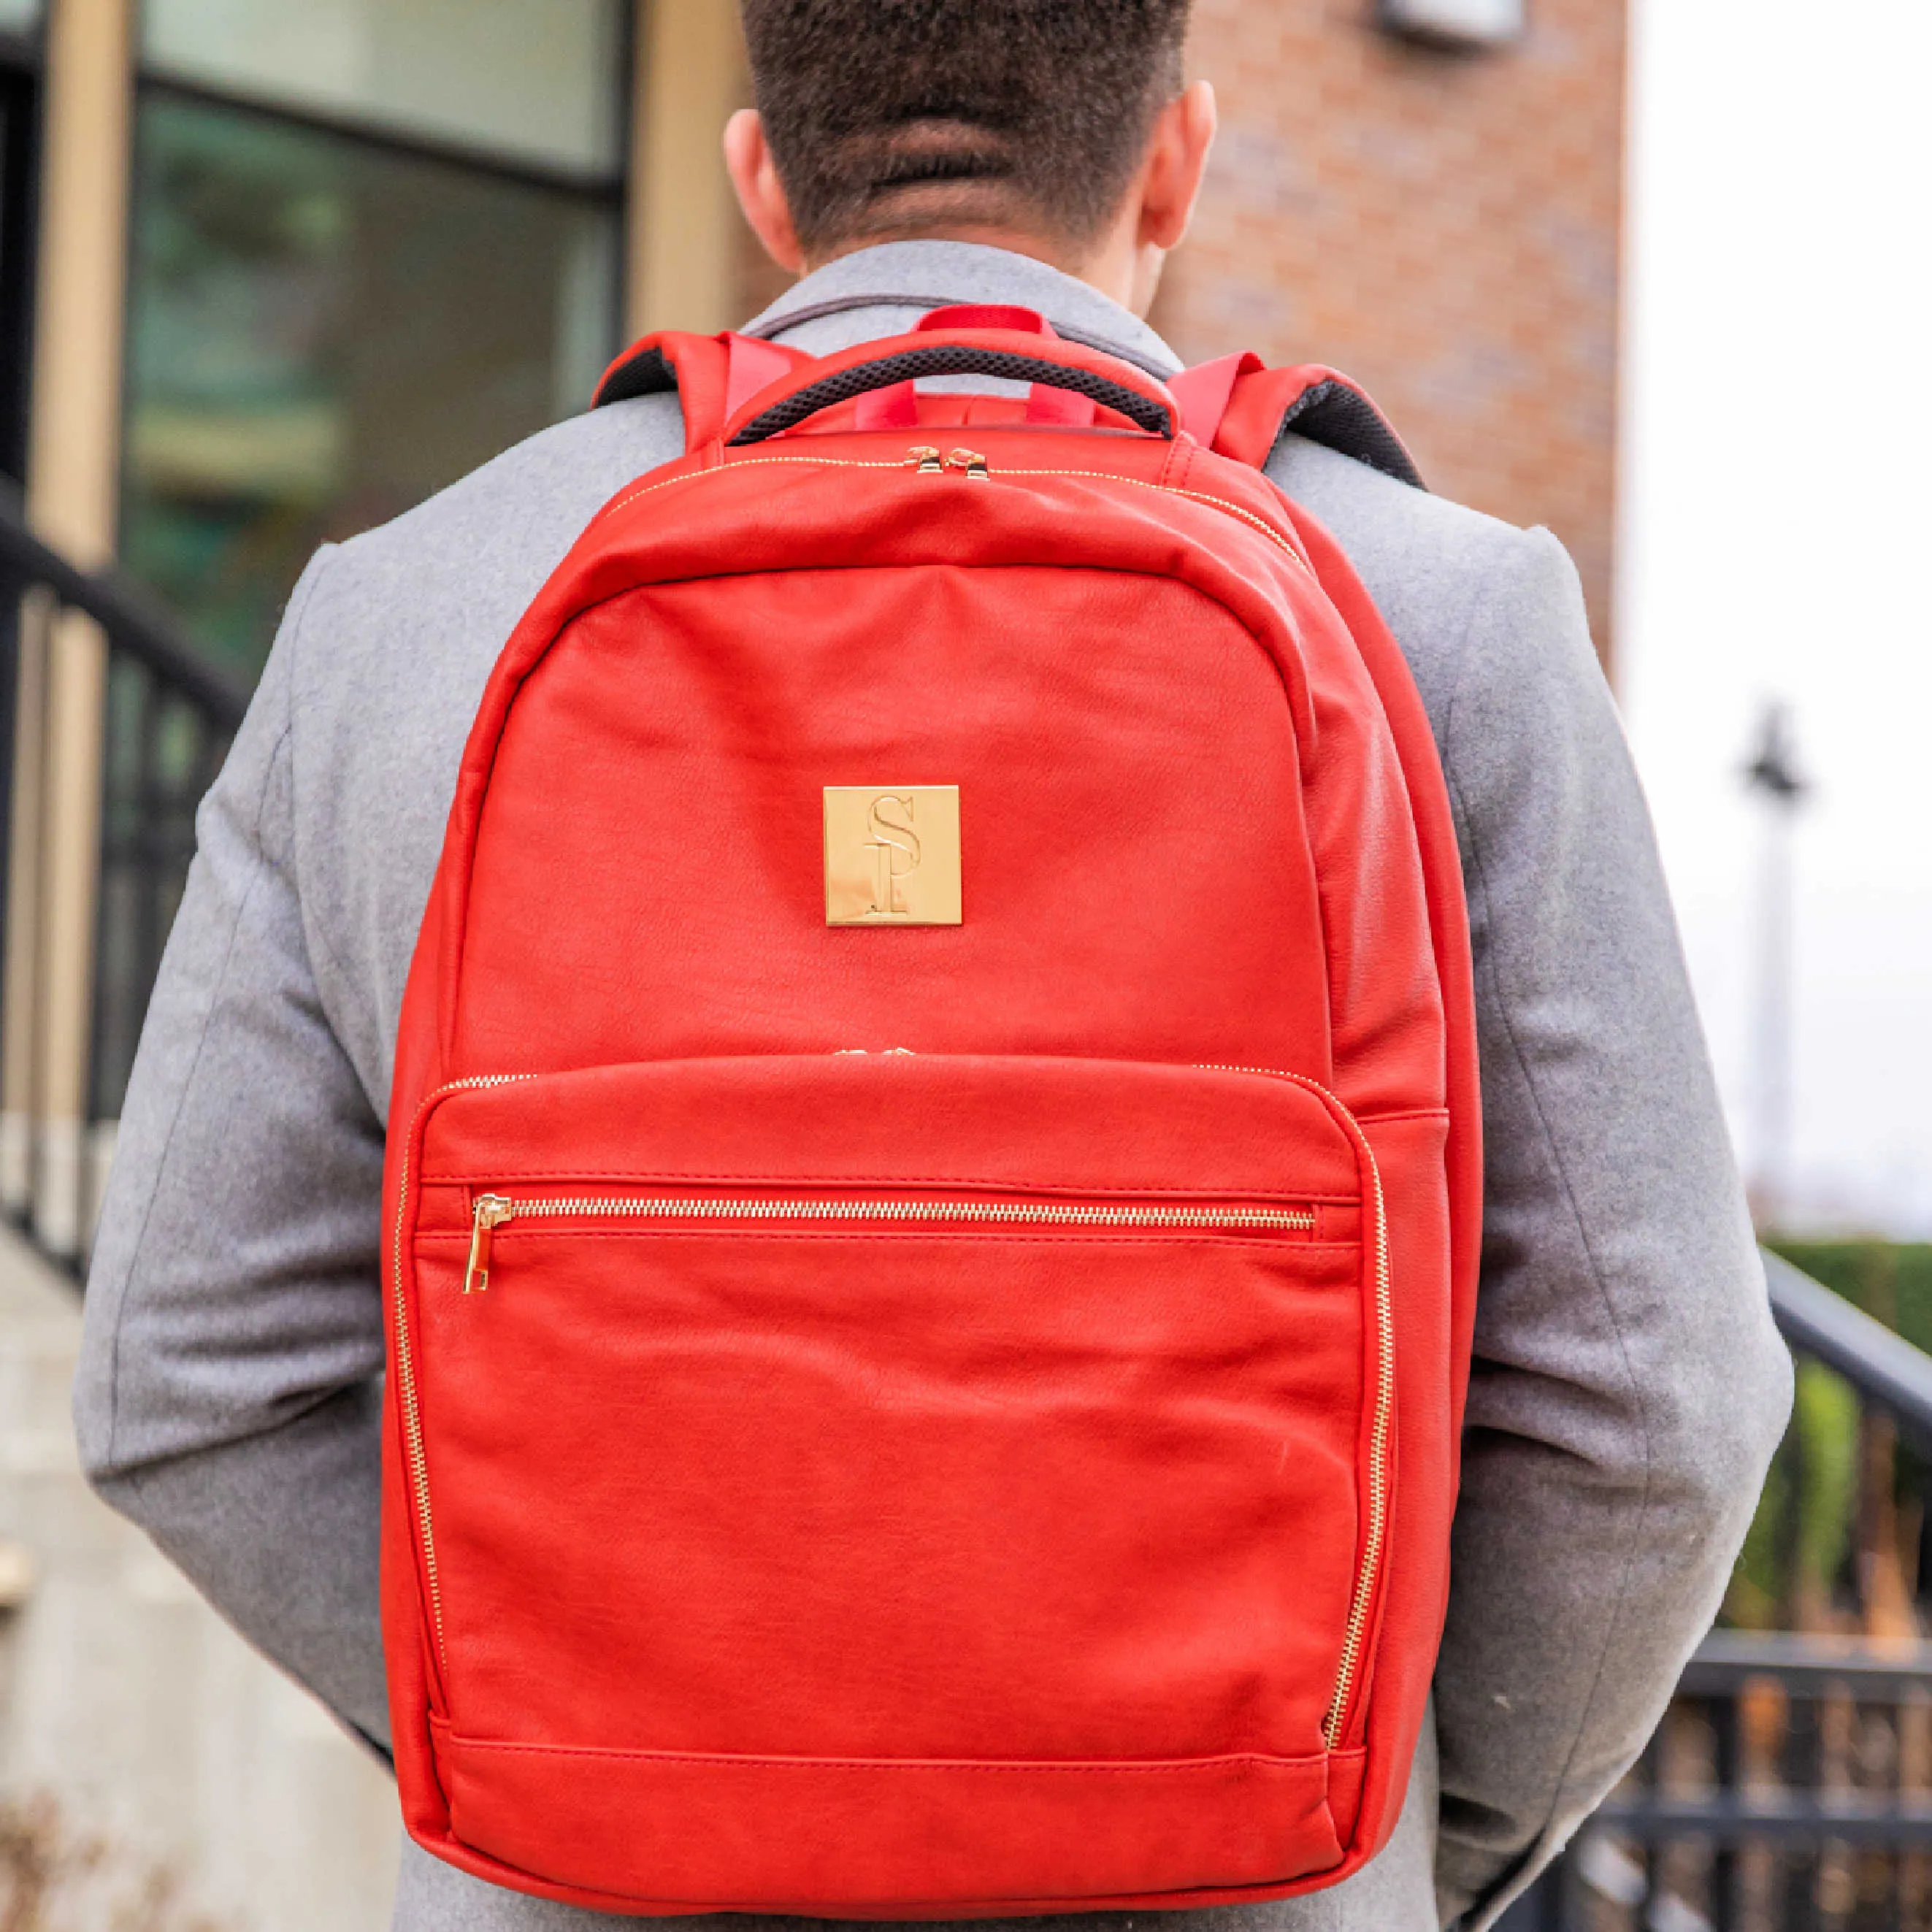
(933, 1175)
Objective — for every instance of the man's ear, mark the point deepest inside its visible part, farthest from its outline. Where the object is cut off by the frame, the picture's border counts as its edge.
(754, 174)
(1177, 160)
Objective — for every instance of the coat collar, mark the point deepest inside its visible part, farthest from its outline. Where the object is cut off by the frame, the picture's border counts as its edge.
(884, 290)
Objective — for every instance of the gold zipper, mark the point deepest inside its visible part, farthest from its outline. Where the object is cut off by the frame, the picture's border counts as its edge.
(1268, 530)
(405, 1372)
(1355, 1631)
(492, 1211)
(924, 459)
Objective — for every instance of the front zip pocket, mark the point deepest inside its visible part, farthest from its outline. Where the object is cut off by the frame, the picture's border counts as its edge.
(919, 1410)
(492, 1211)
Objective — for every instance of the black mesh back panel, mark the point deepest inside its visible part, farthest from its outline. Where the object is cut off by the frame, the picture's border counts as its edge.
(648, 373)
(1333, 415)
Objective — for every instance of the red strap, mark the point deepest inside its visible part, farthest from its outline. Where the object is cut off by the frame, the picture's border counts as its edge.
(1204, 392)
(1448, 914)
(1044, 404)
(754, 365)
(692, 366)
(986, 315)
(1316, 402)
(1250, 425)
(1238, 408)
(898, 408)
(711, 374)
(1060, 407)
(895, 408)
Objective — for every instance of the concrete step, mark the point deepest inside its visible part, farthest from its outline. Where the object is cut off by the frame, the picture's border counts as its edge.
(134, 1716)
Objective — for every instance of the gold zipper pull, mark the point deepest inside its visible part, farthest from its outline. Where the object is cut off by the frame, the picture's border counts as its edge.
(970, 460)
(492, 1211)
(925, 458)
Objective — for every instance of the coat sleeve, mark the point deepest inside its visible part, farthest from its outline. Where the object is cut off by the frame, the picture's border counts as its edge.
(1628, 1386)
(228, 1394)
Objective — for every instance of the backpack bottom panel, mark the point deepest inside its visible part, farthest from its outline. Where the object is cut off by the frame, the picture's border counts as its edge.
(794, 1834)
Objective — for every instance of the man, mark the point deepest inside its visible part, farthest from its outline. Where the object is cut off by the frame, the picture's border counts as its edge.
(1627, 1387)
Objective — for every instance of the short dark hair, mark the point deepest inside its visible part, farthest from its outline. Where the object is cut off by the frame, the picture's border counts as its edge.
(889, 117)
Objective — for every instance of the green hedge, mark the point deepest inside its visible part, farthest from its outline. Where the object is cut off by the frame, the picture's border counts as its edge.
(1891, 1281)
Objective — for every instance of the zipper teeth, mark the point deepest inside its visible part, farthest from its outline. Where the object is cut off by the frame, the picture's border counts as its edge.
(406, 1373)
(795, 1208)
(1356, 1630)
(1268, 530)
(757, 462)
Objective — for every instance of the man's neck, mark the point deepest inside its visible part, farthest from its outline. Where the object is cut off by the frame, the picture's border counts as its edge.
(1113, 269)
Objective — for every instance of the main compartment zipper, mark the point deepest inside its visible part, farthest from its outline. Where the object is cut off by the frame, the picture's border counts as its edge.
(492, 1211)
(924, 459)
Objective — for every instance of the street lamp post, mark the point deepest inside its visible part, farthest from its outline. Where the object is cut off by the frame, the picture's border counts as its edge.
(1772, 774)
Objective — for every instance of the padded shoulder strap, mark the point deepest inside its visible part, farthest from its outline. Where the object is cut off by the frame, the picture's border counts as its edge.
(712, 376)
(1238, 408)
(1448, 909)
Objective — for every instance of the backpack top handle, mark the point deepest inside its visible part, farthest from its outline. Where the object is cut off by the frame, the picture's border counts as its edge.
(738, 389)
(958, 358)
(1020, 355)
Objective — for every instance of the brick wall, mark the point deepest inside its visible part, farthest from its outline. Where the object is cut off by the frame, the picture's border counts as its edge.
(1444, 229)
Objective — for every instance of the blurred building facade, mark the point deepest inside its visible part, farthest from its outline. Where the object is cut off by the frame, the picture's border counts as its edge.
(270, 275)
(1443, 223)
(299, 267)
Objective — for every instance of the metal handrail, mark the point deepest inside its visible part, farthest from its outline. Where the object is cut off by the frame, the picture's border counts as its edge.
(123, 611)
(1728, 1660)
(167, 717)
(1888, 1372)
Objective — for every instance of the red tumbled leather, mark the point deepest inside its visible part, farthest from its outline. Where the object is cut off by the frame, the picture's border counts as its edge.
(893, 1420)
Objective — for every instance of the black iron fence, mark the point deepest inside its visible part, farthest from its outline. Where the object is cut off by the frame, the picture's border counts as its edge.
(1789, 1786)
(111, 729)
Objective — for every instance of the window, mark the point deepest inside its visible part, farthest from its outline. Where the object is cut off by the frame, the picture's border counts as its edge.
(1455, 23)
(531, 80)
(17, 15)
(325, 328)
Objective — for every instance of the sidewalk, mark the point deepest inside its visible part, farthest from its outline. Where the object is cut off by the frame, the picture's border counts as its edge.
(130, 1710)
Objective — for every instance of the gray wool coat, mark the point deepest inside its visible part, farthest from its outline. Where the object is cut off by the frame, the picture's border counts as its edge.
(1627, 1385)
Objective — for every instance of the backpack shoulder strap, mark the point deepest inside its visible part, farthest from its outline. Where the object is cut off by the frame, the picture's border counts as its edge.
(1448, 914)
(1237, 407)
(712, 375)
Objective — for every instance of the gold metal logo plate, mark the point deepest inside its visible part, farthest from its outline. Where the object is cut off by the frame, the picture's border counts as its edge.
(891, 855)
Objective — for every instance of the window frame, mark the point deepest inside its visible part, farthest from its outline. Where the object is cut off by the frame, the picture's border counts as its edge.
(605, 193)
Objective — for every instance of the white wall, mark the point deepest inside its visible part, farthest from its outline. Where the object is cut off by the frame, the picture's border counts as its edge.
(1777, 521)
